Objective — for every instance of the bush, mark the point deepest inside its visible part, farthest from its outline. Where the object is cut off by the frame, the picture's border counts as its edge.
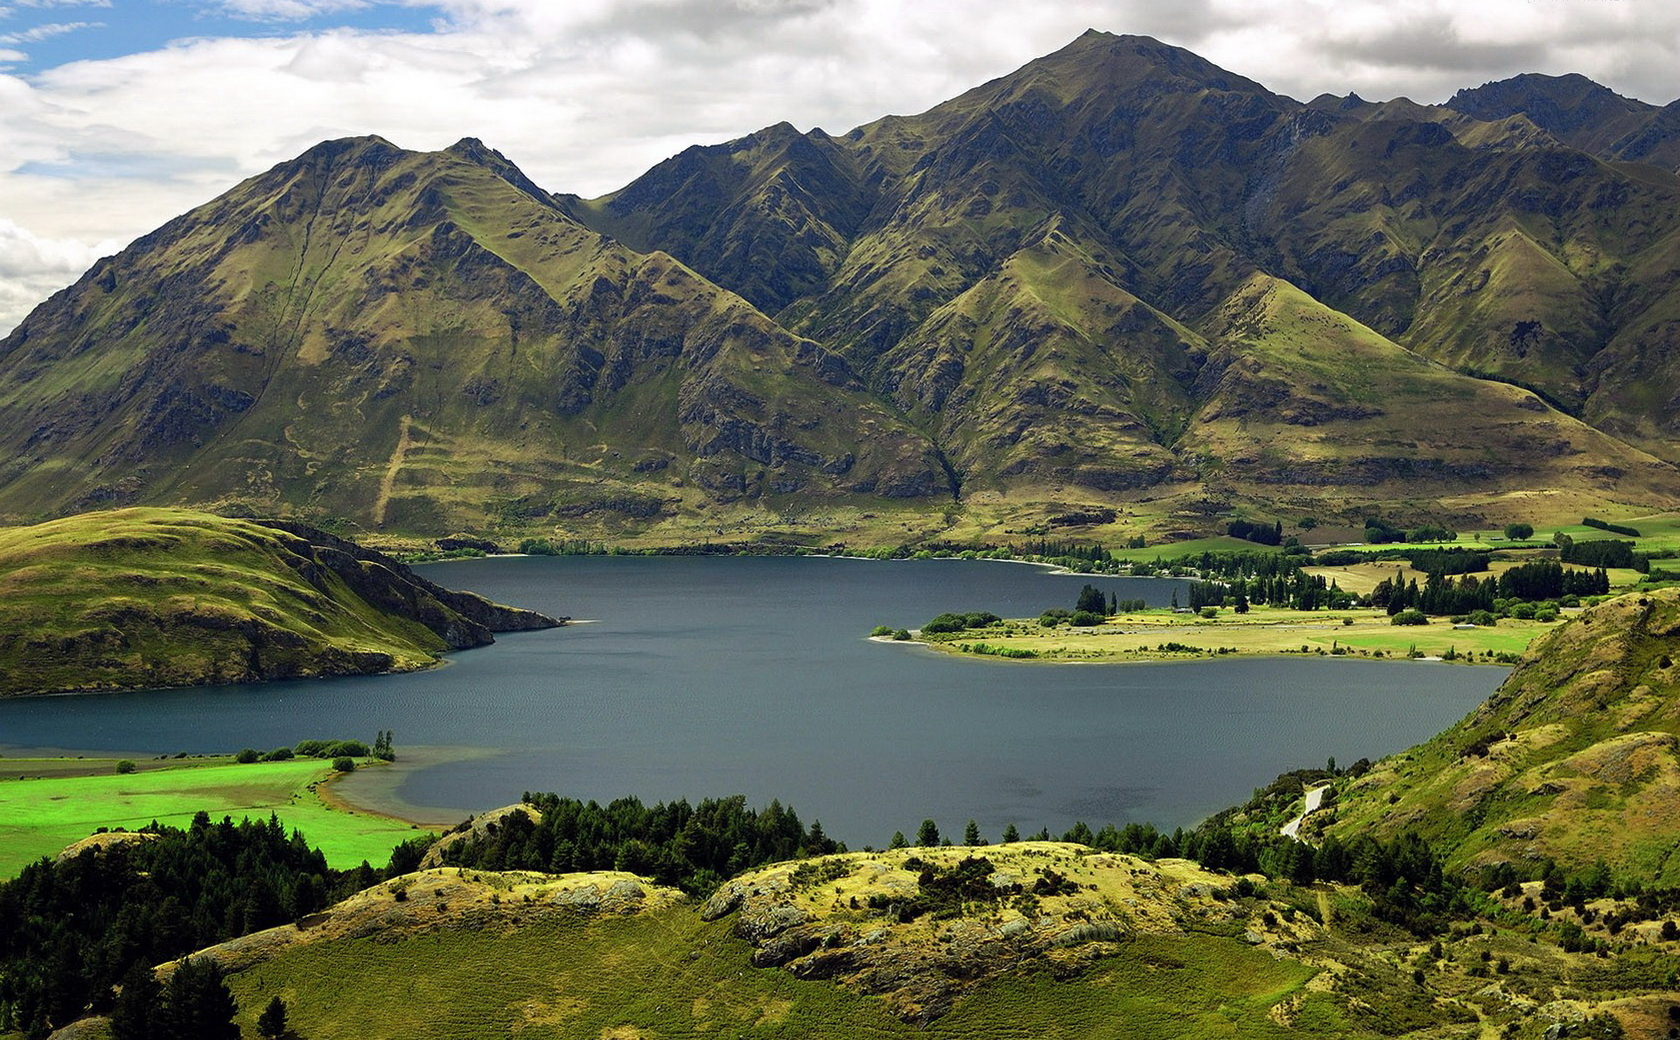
(344, 764)
(126, 766)
(247, 755)
(901, 635)
(1519, 532)
(1210, 612)
(1085, 619)
(279, 754)
(1410, 616)
(881, 630)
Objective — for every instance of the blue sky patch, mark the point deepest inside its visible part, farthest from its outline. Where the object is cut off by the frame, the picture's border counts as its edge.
(50, 33)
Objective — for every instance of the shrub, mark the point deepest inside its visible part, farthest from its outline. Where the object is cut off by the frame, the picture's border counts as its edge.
(279, 754)
(344, 764)
(881, 630)
(1519, 532)
(1085, 619)
(901, 635)
(1410, 616)
(126, 766)
(247, 755)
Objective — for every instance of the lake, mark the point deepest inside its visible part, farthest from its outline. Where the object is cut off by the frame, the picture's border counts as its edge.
(698, 677)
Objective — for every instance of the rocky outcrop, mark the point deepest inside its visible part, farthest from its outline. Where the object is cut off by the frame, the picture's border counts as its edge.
(462, 619)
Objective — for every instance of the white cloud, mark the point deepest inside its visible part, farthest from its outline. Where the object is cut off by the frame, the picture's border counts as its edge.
(286, 10)
(37, 33)
(586, 94)
(32, 267)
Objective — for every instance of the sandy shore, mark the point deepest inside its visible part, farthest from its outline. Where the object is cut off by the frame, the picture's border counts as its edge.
(375, 790)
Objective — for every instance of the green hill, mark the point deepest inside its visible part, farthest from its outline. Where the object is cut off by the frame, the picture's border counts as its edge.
(1573, 758)
(163, 597)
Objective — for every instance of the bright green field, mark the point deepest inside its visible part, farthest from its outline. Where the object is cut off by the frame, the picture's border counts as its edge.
(38, 817)
(667, 974)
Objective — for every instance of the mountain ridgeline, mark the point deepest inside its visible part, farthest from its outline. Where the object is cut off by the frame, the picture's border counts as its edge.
(1119, 274)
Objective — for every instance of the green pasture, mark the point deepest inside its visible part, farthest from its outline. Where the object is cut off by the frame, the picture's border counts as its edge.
(41, 813)
(1264, 630)
(667, 974)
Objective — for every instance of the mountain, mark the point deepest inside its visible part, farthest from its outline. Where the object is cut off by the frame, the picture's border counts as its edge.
(414, 341)
(164, 597)
(1572, 758)
(1119, 276)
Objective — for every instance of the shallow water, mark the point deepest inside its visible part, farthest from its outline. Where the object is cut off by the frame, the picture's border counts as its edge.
(707, 677)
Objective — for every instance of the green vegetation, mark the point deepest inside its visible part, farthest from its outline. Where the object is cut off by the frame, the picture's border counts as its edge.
(692, 847)
(166, 597)
(1474, 312)
(41, 814)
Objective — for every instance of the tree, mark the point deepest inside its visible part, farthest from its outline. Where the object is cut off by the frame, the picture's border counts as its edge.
(1091, 599)
(971, 834)
(1519, 532)
(136, 1005)
(126, 766)
(197, 1003)
(927, 836)
(344, 764)
(272, 1022)
(898, 841)
(1010, 833)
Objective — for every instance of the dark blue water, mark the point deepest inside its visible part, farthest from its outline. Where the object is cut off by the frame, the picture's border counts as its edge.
(710, 677)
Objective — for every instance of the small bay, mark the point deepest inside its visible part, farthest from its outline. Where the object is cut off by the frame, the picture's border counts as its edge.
(697, 677)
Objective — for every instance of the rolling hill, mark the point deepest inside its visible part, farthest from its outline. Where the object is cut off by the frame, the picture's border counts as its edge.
(166, 597)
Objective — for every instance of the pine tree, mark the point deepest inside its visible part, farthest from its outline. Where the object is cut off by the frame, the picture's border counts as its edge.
(927, 836)
(197, 1004)
(136, 1004)
(1010, 833)
(971, 834)
(272, 1022)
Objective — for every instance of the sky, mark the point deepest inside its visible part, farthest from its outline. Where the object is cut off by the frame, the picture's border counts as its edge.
(116, 115)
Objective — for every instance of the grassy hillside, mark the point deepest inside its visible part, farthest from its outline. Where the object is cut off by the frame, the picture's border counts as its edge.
(1573, 758)
(623, 964)
(165, 597)
(1117, 278)
(924, 942)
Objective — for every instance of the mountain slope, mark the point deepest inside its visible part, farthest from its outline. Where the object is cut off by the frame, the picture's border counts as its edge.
(1573, 757)
(1482, 243)
(151, 597)
(1118, 273)
(399, 338)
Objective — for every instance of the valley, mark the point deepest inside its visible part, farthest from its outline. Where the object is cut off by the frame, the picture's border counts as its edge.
(1295, 407)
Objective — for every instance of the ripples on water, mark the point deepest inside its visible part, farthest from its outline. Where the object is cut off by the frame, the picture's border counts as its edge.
(709, 677)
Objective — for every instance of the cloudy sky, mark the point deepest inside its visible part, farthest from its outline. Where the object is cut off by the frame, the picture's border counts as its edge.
(116, 115)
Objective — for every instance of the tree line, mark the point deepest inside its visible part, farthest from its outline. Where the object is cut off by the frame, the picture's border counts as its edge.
(69, 931)
(691, 847)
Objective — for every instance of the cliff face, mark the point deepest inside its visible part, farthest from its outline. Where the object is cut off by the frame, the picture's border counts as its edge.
(143, 598)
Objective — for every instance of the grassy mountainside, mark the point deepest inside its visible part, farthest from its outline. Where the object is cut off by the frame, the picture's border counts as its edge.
(1574, 757)
(1037, 297)
(415, 341)
(162, 597)
(1048, 263)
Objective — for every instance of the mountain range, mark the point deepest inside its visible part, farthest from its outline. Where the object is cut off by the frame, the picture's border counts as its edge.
(1120, 285)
